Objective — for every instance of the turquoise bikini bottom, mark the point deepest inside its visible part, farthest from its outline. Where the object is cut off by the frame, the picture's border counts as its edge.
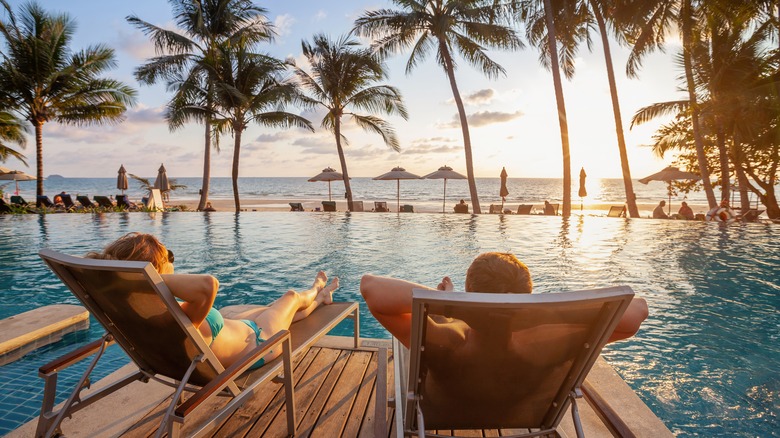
(258, 341)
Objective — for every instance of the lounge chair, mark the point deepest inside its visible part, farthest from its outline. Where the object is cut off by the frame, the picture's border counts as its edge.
(752, 215)
(296, 206)
(328, 205)
(85, 202)
(44, 201)
(67, 201)
(407, 208)
(553, 211)
(381, 206)
(461, 208)
(123, 202)
(103, 201)
(131, 301)
(524, 209)
(617, 211)
(539, 349)
(4, 207)
(495, 209)
(18, 200)
(357, 206)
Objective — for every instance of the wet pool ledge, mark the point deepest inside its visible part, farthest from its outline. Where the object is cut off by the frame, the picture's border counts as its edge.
(28, 331)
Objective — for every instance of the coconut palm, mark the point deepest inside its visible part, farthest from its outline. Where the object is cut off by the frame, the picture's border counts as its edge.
(342, 81)
(46, 81)
(11, 131)
(203, 25)
(250, 88)
(444, 27)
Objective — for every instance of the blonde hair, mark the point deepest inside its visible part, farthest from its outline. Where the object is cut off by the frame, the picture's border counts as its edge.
(135, 247)
(496, 272)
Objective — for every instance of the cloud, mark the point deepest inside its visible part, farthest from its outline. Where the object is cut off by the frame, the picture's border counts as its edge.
(477, 98)
(136, 44)
(284, 24)
(146, 115)
(320, 15)
(483, 118)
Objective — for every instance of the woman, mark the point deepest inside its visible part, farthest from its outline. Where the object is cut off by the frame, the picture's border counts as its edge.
(231, 336)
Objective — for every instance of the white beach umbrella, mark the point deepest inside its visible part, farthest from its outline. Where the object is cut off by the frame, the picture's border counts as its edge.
(398, 173)
(445, 173)
(121, 179)
(328, 174)
(7, 174)
(668, 175)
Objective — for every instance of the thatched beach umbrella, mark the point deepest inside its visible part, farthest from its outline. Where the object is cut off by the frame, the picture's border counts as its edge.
(503, 192)
(7, 174)
(161, 182)
(121, 179)
(445, 173)
(398, 173)
(328, 174)
(668, 175)
(582, 193)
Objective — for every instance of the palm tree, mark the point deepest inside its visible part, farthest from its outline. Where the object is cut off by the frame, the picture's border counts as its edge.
(249, 88)
(467, 27)
(11, 130)
(203, 24)
(47, 82)
(342, 79)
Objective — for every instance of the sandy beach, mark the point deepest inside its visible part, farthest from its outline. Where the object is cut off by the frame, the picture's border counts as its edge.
(259, 205)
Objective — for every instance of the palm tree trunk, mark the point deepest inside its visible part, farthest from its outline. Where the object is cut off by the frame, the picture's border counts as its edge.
(39, 158)
(562, 120)
(236, 152)
(687, 35)
(343, 161)
(725, 183)
(204, 191)
(464, 125)
(633, 211)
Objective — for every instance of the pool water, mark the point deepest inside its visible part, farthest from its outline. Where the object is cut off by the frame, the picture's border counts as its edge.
(706, 361)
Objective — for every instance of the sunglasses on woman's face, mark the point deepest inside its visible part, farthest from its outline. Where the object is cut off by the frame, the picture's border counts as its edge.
(170, 256)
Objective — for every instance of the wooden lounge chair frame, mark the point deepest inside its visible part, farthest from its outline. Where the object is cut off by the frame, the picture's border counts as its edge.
(103, 201)
(328, 205)
(296, 206)
(110, 290)
(595, 314)
(357, 206)
(406, 208)
(555, 208)
(461, 208)
(381, 207)
(617, 211)
(524, 208)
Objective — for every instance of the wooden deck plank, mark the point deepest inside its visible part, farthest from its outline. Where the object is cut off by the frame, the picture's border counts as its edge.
(360, 412)
(312, 415)
(335, 413)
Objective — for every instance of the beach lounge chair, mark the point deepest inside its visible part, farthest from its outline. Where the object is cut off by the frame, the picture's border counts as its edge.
(617, 211)
(357, 206)
(461, 208)
(4, 207)
(103, 201)
(751, 215)
(67, 201)
(296, 206)
(44, 201)
(553, 210)
(524, 209)
(123, 202)
(407, 208)
(131, 301)
(84, 201)
(328, 205)
(539, 348)
(18, 200)
(381, 206)
(495, 209)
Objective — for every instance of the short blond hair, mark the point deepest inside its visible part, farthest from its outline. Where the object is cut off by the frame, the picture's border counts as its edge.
(498, 272)
(135, 247)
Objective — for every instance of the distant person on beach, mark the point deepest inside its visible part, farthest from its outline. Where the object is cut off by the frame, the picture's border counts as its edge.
(685, 211)
(230, 336)
(58, 201)
(549, 210)
(658, 212)
(209, 207)
(390, 299)
(461, 207)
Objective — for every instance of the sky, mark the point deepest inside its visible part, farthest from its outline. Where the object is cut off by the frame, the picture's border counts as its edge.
(513, 119)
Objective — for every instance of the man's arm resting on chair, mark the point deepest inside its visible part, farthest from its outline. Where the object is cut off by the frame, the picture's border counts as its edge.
(633, 317)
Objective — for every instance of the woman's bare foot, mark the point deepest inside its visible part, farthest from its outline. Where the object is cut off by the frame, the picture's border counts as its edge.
(327, 292)
(319, 281)
(446, 285)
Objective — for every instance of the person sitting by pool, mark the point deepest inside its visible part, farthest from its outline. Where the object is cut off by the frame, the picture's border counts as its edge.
(390, 299)
(461, 207)
(686, 212)
(658, 212)
(58, 203)
(230, 336)
(549, 210)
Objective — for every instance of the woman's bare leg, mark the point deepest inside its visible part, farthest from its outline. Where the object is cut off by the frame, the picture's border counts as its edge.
(311, 295)
(293, 306)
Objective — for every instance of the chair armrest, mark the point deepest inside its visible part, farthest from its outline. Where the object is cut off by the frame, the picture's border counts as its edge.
(74, 356)
(227, 376)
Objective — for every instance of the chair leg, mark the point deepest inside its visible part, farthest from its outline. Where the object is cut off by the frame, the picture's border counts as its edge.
(170, 423)
(289, 393)
(356, 318)
(380, 394)
(575, 413)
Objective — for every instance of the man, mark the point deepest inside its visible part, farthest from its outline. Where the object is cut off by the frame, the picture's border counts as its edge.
(686, 211)
(659, 213)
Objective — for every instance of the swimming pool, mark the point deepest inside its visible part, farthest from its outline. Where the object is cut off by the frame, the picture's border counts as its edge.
(705, 361)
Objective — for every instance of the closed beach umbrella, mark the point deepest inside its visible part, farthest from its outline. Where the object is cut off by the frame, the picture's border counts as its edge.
(582, 193)
(328, 174)
(668, 175)
(121, 179)
(161, 182)
(7, 174)
(504, 192)
(445, 173)
(398, 173)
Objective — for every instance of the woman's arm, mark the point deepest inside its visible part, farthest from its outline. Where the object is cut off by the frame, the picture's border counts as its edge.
(197, 291)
